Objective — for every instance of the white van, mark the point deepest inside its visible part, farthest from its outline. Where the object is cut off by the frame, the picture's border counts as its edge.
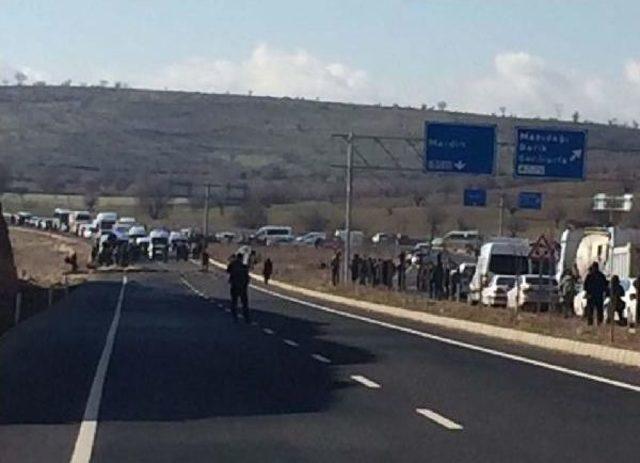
(461, 240)
(499, 256)
(78, 218)
(158, 244)
(272, 234)
(106, 220)
(61, 219)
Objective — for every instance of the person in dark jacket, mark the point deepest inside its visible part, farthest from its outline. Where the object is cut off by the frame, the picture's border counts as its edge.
(437, 279)
(267, 270)
(402, 274)
(355, 268)
(335, 268)
(616, 304)
(239, 283)
(596, 288)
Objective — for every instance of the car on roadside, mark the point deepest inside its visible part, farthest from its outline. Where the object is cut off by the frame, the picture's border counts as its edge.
(495, 293)
(531, 290)
(311, 239)
(383, 238)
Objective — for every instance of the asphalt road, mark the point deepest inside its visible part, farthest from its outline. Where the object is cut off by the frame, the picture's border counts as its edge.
(163, 374)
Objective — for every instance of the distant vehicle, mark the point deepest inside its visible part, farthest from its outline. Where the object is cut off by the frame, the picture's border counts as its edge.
(357, 237)
(272, 234)
(90, 230)
(225, 237)
(143, 243)
(383, 238)
(22, 217)
(46, 223)
(461, 241)
(78, 218)
(499, 256)
(437, 243)
(159, 245)
(311, 238)
(61, 217)
(125, 222)
(495, 293)
(106, 220)
(137, 231)
(179, 244)
(32, 221)
(531, 290)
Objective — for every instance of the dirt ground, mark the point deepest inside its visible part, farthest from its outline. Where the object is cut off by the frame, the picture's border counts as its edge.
(39, 257)
(308, 267)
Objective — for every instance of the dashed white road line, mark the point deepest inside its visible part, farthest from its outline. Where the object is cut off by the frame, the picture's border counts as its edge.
(321, 358)
(457, 343)
(366, 382)
(87, 433)
(268, 331)
(291, 343)
(441, 420)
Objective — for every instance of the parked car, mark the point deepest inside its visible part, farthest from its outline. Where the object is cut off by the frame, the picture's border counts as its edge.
(272, 234)
(495, 293)
(225, 237)
(311, 239)
(530, 290)
(383, 238)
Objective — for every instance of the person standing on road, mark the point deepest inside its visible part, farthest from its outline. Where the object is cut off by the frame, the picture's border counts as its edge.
(267, 270)
(239, 283)
(616, 304)
(402, 272)
(204, 259)
(633, 315)
(355, 268)
(335, 268)
(568, 290)
(437, 277)
(595, 287)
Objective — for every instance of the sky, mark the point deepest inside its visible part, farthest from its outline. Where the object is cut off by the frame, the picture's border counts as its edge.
(542, 58)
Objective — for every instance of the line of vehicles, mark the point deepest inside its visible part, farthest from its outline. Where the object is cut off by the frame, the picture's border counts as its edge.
(113, 235)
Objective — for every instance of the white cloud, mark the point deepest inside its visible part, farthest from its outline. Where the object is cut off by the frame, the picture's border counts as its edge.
(269, 71)
(527, 85)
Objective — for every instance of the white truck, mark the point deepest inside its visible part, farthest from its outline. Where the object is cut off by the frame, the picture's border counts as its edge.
(77, 218)
(105, 220)
(498, 256)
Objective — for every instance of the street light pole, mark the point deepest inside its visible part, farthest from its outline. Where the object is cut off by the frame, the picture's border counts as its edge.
(347, 218)
(205, 220)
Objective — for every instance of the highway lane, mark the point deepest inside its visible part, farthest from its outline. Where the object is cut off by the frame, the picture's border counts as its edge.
(186, 383)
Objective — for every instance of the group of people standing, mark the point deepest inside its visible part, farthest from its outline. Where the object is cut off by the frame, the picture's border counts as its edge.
(597, 288)
(437, 279)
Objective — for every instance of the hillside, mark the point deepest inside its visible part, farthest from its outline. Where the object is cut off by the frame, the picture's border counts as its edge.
(59, 139)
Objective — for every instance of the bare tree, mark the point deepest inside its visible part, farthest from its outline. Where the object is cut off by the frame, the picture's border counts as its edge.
(557, 214)
(251, 214)
(447, 188)
(442, 105)
(516, 225)
(153, 196)
(503, 111)
(434, 218)
(314, 220)
(91, 195)
(20, 77)
(461, 223)
(576, 117)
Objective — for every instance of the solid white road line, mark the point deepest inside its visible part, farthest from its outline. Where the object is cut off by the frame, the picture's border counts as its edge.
(437, 418)
(321, 358)
(86, 435)
(365, 381)
(267, 331)
(464, 345)
(291, 343)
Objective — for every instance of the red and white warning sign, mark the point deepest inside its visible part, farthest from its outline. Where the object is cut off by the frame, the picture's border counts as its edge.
(543, 249)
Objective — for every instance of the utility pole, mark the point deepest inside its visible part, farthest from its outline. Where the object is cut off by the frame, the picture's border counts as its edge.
(205, 222)
(347, 218)
(501, 215)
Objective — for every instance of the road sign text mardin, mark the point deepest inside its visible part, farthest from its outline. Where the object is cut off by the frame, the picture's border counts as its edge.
(459, 148)
(550, 153)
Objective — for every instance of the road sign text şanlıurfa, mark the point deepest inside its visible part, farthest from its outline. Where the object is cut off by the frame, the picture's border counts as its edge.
(550, 153)
(529, 200)
(475, 197)
(459, 148)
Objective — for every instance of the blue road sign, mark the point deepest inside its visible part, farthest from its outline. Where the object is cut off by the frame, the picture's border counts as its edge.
(550, 153)
(529, 200)
(475, 197)
(464, 149)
